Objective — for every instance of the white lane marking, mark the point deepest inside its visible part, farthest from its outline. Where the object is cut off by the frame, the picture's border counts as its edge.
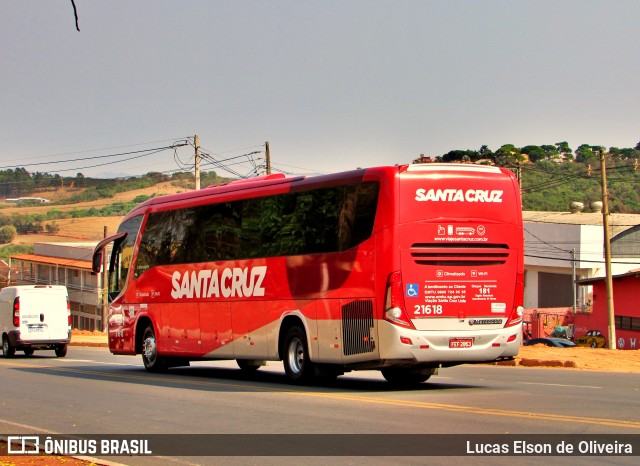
(97, 362)
(78, 360)
(558, 385)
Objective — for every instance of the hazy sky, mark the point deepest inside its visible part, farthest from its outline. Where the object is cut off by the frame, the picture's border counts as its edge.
(332, 85)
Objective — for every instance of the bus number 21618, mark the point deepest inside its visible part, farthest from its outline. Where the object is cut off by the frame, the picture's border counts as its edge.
(427, 309)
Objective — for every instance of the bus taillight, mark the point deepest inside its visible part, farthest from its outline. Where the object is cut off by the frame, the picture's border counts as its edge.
(16, 312)
(518, 309)
(394, 310)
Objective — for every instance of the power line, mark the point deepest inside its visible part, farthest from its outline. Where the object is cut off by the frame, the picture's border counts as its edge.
(103, 149)
(580, 260)
(544, 242)
(157, 149)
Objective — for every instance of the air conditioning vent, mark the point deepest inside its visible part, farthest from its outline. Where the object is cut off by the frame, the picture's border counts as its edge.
(357, 324)
(473, 254)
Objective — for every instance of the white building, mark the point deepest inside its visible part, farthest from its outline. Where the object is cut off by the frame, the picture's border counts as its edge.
(554, 239)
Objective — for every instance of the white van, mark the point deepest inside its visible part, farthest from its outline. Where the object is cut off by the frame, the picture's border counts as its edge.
(35, 317)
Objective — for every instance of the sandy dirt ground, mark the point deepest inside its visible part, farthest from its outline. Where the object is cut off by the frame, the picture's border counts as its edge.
(581, 358)
(73, 230)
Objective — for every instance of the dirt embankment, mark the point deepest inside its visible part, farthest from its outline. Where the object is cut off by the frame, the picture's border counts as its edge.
(581, 358)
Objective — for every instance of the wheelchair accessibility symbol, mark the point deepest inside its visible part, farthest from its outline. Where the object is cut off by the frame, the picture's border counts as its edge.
(412, 290)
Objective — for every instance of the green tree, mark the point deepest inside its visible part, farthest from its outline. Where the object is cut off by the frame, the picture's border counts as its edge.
(550, 151)
(7, 234)
(534, 153)
(564, 150)
(585, 153)
(460, 156)
(508, 155)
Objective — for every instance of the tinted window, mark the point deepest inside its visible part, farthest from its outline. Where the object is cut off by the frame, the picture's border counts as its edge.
(122, 256)
(307, 222)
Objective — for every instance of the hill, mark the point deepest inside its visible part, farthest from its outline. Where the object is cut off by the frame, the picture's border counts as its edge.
(549, 186)
(80, 228)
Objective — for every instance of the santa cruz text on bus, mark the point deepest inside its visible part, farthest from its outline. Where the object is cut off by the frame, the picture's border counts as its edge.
(208, 283)
(458, 195)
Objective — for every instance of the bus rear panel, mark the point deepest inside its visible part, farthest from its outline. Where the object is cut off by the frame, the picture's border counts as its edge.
(459, 283)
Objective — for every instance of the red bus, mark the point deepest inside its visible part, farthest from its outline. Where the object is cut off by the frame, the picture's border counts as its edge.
(401, 269)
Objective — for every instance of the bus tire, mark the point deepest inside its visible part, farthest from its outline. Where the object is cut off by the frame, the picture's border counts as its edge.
(61, 350)
(594, 344)
(405, 376)
(7, 350)
(249, 365)
(150, 358)
(28, 351)
(297, 365)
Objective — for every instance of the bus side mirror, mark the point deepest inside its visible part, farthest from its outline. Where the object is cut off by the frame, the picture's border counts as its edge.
(96, 264)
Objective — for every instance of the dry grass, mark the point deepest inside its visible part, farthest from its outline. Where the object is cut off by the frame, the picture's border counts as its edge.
(82, 229)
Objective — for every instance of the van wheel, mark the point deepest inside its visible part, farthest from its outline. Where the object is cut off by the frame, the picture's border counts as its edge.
(7, 350)
(297, 364)
(404, 376)
(61, 351)
(152, 362)
(28, 351)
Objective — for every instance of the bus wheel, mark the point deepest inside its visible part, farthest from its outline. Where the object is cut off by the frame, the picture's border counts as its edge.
(152, 362)
(594, 344)
(61, 351)
(28, 351)
(249, 365)
(297, 364)
(404, 376)
(7, 350)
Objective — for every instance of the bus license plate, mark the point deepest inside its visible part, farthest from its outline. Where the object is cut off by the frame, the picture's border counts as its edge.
(461, 343)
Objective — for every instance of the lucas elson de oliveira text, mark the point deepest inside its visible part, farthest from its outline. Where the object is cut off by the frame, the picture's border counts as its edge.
(522, 447)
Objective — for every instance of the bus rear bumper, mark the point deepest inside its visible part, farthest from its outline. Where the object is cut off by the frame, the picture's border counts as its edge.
(441, 347)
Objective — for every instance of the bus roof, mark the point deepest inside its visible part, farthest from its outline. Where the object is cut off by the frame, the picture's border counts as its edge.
(280, 183)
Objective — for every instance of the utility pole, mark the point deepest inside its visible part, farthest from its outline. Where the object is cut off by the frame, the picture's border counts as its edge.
(573, 275)
(197, 163)
(267, 157)
(607, 252)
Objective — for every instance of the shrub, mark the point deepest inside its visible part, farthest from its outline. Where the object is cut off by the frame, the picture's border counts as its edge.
(52, 228)
(7, 234)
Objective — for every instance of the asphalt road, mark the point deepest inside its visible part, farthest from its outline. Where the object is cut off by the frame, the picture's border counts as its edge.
(93, 392)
